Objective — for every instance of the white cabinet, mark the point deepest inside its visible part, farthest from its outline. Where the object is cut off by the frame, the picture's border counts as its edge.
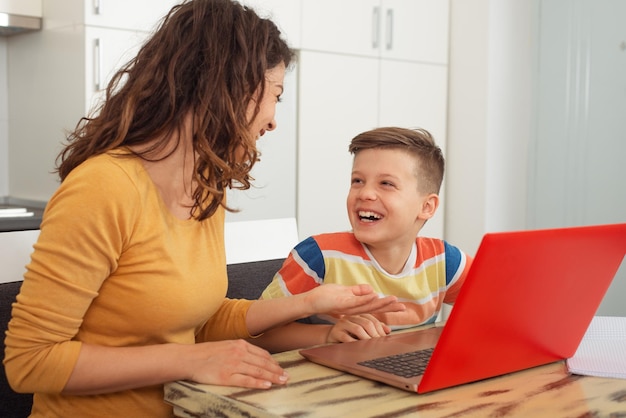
(415, 30)
(415, 95)
(111, 32)
(106, 50)
(142, 15)
(364, 64)
(58, 74)
(345, 26)
(338, 99)
(31, 8)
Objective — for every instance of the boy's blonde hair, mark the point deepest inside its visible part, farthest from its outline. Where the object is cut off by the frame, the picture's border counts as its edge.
(430, 164)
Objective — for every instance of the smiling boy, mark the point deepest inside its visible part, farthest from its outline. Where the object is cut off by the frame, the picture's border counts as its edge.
(395, 182)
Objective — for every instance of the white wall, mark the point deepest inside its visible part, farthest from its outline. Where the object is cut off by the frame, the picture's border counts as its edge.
(4, 121)
(535, 126)
(489, 118)
(577, 170)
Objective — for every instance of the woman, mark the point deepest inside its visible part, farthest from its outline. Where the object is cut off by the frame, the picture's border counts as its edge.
(125, 289)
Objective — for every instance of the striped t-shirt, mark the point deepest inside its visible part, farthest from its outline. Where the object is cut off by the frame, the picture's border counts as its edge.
(432, 275)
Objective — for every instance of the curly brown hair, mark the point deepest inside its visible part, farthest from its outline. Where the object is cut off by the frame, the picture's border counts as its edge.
(207, 59)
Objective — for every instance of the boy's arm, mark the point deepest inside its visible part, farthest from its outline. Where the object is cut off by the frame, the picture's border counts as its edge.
(299, 335)
(292, 336)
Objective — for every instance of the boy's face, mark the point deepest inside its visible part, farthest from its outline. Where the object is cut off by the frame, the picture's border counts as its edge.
(384, 204)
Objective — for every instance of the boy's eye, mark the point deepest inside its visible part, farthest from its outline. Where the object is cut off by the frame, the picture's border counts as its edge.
(354, 181)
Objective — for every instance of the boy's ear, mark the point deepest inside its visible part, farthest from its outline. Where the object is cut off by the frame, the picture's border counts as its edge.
(429, 207)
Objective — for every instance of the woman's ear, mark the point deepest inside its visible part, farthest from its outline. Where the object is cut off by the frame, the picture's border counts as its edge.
(429, 207)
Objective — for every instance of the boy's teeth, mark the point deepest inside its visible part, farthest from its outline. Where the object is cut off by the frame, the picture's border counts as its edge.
(369, 215)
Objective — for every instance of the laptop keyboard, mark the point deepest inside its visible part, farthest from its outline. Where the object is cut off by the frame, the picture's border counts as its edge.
(406, 364)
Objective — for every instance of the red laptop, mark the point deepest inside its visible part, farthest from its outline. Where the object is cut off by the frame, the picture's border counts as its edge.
(528, 300)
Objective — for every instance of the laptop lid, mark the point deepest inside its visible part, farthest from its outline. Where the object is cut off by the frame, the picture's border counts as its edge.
(527, 301)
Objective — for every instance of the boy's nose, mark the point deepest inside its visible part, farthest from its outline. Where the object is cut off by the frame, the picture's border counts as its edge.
(367, 193)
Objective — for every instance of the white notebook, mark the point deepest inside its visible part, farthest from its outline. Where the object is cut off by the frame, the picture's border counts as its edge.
(601, 351)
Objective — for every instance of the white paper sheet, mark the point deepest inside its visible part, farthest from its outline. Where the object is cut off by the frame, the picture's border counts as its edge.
(602, 352)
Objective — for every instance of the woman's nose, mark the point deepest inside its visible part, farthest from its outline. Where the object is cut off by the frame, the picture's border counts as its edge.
(272, 125)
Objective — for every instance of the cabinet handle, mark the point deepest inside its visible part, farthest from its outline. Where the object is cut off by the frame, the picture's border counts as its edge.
(96, 7)
(389, 43)
(97, 65)
(375, 27)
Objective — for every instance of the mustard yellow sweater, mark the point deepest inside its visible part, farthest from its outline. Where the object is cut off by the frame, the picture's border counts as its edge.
(113, 267)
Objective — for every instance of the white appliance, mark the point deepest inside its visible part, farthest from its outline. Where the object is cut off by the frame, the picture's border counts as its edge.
(17, 16)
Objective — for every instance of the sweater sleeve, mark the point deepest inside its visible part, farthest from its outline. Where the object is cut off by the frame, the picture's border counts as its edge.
(65, 274)
(228, 323)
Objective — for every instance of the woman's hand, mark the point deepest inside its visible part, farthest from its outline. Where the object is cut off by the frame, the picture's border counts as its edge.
(101, 369)
(235, 363)
(333, 299)
(357, 327)
(337, 299)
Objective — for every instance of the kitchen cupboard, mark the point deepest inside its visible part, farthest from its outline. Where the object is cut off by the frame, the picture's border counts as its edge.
(350, 82)
(337, 98)
(414, 30)
(57, 75)
(142, 15)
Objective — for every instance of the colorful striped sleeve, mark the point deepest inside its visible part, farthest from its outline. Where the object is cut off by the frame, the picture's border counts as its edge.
(457, 266)
(302, 271)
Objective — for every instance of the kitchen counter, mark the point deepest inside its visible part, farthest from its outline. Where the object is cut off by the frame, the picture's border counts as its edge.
(22, 223)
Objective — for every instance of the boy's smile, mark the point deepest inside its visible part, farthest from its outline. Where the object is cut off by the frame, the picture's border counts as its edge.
(366, 216)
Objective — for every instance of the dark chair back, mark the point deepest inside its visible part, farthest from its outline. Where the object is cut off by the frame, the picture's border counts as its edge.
(12, 404)
(248, 280)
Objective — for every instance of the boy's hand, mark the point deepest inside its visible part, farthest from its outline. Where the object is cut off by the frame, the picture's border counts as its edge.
(357, 327)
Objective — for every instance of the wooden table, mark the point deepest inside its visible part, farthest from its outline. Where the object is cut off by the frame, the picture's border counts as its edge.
(318, 391)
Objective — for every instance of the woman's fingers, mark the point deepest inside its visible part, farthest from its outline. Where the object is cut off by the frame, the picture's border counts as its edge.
(351, 300)
(237, 363)
(374, 304)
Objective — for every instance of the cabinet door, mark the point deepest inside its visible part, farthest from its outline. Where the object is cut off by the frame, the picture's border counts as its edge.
(284, 13)
(140, 15)
(414, 95)
(338, 99)
(346, 26)
(106, 50)
(415, 30)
